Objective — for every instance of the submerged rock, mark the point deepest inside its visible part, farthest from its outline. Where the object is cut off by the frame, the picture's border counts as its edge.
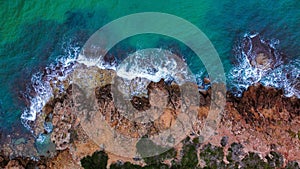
(261, 54)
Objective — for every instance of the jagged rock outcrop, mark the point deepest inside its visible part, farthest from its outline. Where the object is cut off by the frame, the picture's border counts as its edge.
(260, 53)
(261, 121)
(163, 99)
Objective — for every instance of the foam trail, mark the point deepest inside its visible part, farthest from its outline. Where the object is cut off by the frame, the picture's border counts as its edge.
(98, 61)
(44, 84)
(144, 66)
(286, 77)
(155, 64)
(279, 75)
(44, 93)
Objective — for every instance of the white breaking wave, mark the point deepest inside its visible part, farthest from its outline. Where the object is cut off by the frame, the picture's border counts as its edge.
(155, 64)
(144, 66)
(44, 84)
(284, 76)
(44, 93)
(139, 69)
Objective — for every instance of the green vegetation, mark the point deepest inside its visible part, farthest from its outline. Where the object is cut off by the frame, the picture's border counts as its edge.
(160, 158)
(292, 165)
(252, 160)
(189, 158)
(212, 156)
(97, 161)
(146, 148)
(235, 151)
(126, 165)
(275, 159)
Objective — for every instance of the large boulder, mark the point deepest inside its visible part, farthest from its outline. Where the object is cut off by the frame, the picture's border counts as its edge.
(261, 54)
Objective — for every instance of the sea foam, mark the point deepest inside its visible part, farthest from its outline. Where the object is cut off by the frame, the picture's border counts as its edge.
(45, 83)
(285, 75)
(144, 66)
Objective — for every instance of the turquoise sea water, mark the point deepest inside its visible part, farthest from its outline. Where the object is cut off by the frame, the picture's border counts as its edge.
(35, 33)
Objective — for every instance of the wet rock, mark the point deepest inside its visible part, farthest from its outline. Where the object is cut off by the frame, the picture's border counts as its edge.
(206, 80)
(261, 104)
(261, 54)
(48, 108)
(203, 92)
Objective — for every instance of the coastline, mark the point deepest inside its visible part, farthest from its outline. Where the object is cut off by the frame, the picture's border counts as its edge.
(259, 124)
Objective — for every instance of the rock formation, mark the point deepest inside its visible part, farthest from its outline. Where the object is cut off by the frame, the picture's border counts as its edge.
(260, 53)
(261, 121)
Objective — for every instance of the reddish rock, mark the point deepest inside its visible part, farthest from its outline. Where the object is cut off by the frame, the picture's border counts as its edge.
(63, 121)
(260, 53)
(206, 80)
(14, 164)
(260, 120)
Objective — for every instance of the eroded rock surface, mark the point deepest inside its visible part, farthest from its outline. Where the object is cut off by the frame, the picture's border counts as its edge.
(261, 121)
(260, 53)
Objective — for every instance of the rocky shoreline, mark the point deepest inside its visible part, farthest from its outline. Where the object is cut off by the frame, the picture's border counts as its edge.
(262, 121)
(260, 129)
